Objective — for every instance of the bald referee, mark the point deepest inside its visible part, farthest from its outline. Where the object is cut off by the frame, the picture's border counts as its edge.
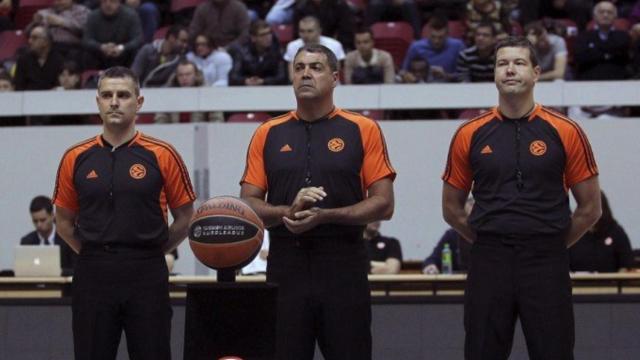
(520, 159)
(112, 195)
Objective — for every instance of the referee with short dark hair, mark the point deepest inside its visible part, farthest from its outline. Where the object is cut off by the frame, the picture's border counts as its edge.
(520, 160)
(112, 195)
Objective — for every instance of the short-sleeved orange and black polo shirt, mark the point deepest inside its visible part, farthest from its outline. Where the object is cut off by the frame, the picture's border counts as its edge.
(344, 152)
(121, 195)
(520, 170)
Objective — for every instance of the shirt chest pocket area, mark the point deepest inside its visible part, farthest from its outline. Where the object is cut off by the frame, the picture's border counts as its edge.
(136, 178)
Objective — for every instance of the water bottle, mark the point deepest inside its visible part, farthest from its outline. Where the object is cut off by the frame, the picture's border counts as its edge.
(447, 266)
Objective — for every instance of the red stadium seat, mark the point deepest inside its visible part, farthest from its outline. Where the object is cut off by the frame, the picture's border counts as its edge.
(470, 113)
(372, 114)
(621, 24)
(26, 9)
(457, 29)
(177, 5)
(394, 37)
(570, 31)
(358, 5)
(284, 33)
(148, 118)
(160, 33)
(10, 42)
(86, 75)
(249, 117)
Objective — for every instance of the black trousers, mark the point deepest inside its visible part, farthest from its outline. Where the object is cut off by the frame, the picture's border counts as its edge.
(323, 296)
(116, 290)
(526, 278)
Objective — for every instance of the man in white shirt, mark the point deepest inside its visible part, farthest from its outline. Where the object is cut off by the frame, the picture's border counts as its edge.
(310, 32)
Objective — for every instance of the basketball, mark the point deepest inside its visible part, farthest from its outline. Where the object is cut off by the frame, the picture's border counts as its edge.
(225, 233)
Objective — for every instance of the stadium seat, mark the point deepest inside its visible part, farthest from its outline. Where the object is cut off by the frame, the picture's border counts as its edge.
(10, 42)
(177, 5)
(621, 24)
(372, 114)
(86, 75)
(249, 117)
(570, 31)
(457, 29)
(147, 118)
(284, 33)
(26, 9)
(160, 33)
(470, 113)
(357, 5)
(394, 37)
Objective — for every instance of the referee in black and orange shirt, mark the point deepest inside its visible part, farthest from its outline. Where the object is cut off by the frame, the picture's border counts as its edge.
(520, 159)
(112, 193)
(325, 173)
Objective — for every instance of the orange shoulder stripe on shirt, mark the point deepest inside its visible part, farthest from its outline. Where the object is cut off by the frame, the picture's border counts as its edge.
(260, 135)
(186, 180)
(555, 118)
(76, 149)
(361, 120)
(470, 125)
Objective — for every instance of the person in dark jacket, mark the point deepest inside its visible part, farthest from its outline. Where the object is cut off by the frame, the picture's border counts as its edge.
(258, 62)
(604, 248)
(112, 35)
(41, 210)
(156, 62)
(602, 53)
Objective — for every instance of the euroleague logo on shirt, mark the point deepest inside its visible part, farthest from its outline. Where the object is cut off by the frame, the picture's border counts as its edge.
(538, 147)
(137, 171)
(335, 144)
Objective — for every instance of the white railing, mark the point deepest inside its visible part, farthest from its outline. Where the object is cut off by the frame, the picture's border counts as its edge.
(277, 98)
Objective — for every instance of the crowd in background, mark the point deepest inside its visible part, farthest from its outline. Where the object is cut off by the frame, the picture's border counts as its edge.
(182, 43)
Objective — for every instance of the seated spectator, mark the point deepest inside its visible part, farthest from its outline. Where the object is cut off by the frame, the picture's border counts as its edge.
(551, 50)
(281, 12)
(5, 14)
(635, 51)
(419, 72)
(460, 249)
(385, 253)
(70, 78)
(149, 16)
(366, 64)
(155, 62)
(66, 22)
(226, 21)
(577, 10)
(438, 49)
(38, 68)
(45, 234)
(335, 17)
(634, 14)
(6, 82)
(475, 64)
(602, 53)
(112, 35)
(258, 62)
(215, 63)
(604, 248)
(187, 74)
(309, 31)
(491, 11)
(394, 10)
